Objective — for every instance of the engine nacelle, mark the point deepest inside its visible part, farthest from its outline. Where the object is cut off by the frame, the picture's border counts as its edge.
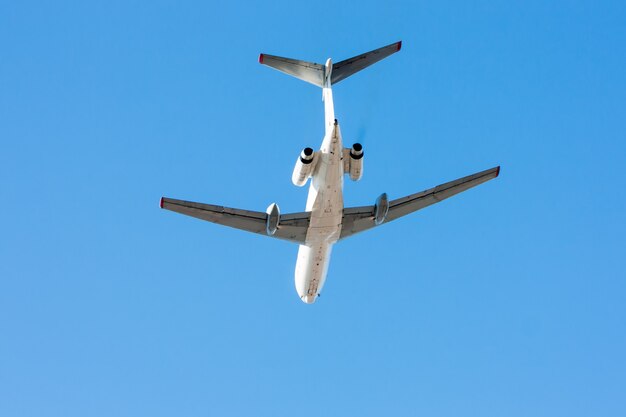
(355, 168)
(304, 167)
(273, 219)
(381, 208)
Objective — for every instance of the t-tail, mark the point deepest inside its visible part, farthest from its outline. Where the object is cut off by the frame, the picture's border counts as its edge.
(326, 75)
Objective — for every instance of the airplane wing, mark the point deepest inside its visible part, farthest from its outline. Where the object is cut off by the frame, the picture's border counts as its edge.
(359, 219)
(292, 227)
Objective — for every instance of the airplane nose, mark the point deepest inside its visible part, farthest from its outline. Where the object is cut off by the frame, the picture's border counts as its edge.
(309, 299)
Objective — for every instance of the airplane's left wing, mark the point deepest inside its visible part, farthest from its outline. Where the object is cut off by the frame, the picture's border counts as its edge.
(292, 227)
(359, 219)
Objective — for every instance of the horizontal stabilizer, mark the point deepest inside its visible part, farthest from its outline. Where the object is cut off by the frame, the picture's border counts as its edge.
(307, 71)
(315, 74)
(344, 69)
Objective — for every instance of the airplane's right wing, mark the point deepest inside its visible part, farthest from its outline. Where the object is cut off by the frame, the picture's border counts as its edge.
(359, 219)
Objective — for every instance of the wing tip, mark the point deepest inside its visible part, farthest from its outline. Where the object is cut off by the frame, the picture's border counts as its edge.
(261, 57)
(161, 202)
(399, 46)
(497, 171)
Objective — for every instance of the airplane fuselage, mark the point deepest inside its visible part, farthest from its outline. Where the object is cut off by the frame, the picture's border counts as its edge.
(325, 202)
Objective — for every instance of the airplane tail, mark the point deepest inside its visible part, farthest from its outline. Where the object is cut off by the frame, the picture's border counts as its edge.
(316, 73)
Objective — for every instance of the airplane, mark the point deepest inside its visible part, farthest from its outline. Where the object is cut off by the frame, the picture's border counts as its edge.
(325, 220)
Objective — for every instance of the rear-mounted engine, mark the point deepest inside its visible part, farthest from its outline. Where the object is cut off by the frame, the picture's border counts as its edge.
(304, 167)
(355, 162)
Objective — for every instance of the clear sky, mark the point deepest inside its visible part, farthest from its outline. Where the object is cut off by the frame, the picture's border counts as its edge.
(507, 300)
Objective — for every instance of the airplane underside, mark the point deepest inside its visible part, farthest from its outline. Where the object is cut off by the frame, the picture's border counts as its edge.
(325, 203)
(325, 220)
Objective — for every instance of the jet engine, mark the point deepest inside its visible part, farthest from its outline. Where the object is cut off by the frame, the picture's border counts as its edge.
(355, 168)
(304, 167)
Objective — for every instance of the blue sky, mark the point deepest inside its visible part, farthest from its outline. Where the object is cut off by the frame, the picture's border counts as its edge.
(505, 300)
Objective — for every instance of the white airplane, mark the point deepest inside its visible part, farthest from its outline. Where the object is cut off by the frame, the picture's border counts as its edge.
(325, 220)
